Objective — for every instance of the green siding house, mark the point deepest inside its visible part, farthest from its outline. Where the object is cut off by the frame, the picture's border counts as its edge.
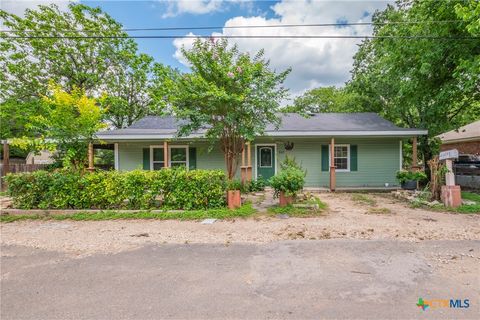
(367, 148)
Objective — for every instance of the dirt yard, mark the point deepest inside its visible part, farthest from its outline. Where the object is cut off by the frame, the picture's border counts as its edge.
(347, 217)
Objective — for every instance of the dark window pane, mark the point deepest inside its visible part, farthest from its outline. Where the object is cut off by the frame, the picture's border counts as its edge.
(265, 157)
(341, 163)
(157, 165)
(178, 154)
(158, 154)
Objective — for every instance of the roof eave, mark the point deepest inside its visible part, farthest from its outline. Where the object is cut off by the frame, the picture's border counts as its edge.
(392, 133)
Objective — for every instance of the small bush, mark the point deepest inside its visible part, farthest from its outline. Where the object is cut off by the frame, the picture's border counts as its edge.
(290, 180)
(403, 176)
(254, 185)
(173, 188)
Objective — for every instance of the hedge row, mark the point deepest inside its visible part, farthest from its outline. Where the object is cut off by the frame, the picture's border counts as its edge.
(168, 188)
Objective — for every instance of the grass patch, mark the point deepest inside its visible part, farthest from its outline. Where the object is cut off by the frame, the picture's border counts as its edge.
(364, 199)
(245, 211)
(379, 211)
(312, 207)
(471, 196)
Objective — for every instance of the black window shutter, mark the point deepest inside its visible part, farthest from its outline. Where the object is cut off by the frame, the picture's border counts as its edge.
(192, 158)
(353, 158)
(325, 157)
(146, 158)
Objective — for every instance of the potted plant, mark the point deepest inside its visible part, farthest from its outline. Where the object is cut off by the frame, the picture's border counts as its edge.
(287, 184)
(234, 199)
(408, 179)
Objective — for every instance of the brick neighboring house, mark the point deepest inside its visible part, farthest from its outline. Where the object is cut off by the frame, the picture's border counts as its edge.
(467, 141)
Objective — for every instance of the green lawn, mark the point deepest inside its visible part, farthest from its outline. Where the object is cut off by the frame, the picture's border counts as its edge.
(245, 211)
(471, 196)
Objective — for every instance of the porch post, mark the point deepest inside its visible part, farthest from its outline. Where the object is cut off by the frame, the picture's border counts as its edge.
(165, 154)
(90, 157)
(414, 155)
(249, 162)
(332, 165)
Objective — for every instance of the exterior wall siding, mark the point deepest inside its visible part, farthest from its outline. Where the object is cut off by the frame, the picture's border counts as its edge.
(378, 159)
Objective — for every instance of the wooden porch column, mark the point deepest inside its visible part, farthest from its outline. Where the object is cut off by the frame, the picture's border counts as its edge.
(249, 162)
(90, 157)
(332, 165)
(414, 155)
(6, 158)
(165, 154)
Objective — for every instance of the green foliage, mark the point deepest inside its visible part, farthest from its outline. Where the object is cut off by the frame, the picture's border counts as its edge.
(404, 176)
(230, 94)
(422, 83)
(68, 124)
(471, 196)
(313, 207)
(108, 63)
(254, 185)
(290, 179)
(174, 188)
(221, 213)
(328, 99)
(234, 185)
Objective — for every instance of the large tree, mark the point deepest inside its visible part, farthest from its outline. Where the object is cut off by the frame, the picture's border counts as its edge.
(81, 48)
(231, 95)
(425, 83)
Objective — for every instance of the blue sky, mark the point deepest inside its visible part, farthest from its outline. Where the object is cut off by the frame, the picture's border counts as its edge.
(151, 14)
(314, 62)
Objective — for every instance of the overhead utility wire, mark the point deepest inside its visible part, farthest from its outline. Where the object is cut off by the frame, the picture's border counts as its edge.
(256, 26)
(245, 37)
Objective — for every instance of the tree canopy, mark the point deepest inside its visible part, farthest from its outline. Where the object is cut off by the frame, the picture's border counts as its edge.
(232, 95)
(329, 99)
(422, 83)
(96, 65)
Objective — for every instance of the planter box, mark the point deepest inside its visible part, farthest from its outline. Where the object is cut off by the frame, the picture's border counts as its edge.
(284, 200)
(409, 185)
(234, 200)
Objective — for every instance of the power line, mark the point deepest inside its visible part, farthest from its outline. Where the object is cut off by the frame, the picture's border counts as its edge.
(246, 37)
(340, 24)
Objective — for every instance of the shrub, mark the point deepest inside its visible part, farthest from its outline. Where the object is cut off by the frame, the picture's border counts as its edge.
(254, 185)
(289, 180)
(173, 188)
(404, 176)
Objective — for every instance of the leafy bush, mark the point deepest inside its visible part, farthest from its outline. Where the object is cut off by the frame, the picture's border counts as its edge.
(289, 181)
(254, 185)
(235, 185)
(173, 188)
(404, 176)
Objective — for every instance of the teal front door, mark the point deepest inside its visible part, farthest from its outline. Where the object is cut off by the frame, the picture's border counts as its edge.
(265, 162)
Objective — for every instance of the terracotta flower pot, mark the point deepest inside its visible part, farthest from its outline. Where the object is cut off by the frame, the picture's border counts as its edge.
(234, 200)
(284, 200)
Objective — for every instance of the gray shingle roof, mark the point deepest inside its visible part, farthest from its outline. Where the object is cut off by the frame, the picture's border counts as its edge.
(291, 124)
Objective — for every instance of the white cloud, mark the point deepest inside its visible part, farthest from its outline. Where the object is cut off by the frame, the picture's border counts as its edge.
(18, 6)
(314, 62)
(176, 7)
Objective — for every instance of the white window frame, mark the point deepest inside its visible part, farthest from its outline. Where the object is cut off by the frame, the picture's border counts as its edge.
(187, 161)
(186, 147)
(330, 157)
(151, 156)
(271, 156)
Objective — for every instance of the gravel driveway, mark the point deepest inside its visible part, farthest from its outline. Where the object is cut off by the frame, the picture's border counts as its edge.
(347, 219)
